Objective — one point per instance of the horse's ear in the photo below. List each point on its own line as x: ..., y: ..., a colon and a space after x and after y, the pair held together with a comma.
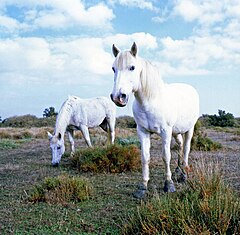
x: 49, y: 135
x: 115, y: 50
x: 134, y: 49
x: 59, y: 136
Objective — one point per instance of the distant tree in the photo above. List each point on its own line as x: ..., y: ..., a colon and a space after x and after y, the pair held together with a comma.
x: 223, y: 119
x: 0, y: 119
x: 49, y: 112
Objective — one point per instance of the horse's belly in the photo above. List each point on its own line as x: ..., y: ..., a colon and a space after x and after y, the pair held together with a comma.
x: 158, y: 120
x: 95, y: 118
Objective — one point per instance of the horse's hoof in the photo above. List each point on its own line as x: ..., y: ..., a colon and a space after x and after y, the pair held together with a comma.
x: 169, y: 187
x: 55, y: 164
x: 181, y: 176
x: 141, y: 192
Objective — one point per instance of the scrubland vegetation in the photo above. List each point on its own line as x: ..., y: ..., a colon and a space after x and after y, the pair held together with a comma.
x: 91, y: 193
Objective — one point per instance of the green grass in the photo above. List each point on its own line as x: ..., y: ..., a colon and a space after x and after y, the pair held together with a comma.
x: 130, y: 140
x: 10, y: 144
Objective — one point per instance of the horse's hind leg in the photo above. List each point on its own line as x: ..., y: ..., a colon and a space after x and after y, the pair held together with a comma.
x: 179, y: 141
x: 85, y: 132
x: 166, y: 141
x: 187, y: 147
x: 71, y: 140
x: 180, y: 174
x: 111, y: 130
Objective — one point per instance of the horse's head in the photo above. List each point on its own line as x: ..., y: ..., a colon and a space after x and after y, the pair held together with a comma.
x: 57, y: 147
x: 126, y: 74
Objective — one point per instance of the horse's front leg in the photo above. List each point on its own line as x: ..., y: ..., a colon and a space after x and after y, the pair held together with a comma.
x: 85, y: 132
x: 145, y: 159
x: 166, y: 142
x: 71, y: 140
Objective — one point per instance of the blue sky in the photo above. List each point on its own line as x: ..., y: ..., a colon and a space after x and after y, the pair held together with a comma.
x: 50, y: 49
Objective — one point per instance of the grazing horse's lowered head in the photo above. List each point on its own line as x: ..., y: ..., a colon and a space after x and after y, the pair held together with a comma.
x: 57, y: 147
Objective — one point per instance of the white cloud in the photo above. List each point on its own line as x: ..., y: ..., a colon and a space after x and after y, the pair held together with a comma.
x: 56, y: 14
x: 166, y: 69
x: 125, y: 41
x: 214, y: 43
x: 205, y: 12
x: 64, y: 59
x: 201, y: 53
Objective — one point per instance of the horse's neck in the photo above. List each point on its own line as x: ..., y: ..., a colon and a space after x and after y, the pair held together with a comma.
x: 63, y: 119
x: 151, y: 84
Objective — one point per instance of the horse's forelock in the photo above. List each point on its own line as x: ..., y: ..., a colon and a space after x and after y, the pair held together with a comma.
x: 54, y: 140
x: 123, y: 60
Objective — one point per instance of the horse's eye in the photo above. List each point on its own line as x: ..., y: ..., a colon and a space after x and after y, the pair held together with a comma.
x: 113, y: 69
x: 132, y: 68
x: 58, y: 147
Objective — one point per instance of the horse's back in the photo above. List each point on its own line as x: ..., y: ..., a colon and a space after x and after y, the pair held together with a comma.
x: 92, y: 112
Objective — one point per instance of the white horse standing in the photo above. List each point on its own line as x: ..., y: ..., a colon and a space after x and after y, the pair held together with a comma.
x: 165, y: 109
x: 82, y: 114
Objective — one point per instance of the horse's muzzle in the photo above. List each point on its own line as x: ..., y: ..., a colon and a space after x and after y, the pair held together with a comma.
x: 120, y: 100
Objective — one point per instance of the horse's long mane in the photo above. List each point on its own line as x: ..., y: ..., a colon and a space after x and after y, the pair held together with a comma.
x: 64, y: 115
x: 150, y: 79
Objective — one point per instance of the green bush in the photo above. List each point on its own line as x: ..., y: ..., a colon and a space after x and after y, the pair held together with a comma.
x: 28, y: 121
x: 206, y: 206
x: 61, y: 189
x: 223, y: 119
x: 110, y: 159
x: 201, y: 142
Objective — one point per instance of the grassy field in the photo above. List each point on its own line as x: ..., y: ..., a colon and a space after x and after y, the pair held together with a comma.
x: 25, y: 160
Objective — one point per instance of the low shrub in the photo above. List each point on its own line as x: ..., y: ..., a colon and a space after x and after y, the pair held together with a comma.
x: 110, y: 159
x: 201, y: 142
x: 61, y: 189
x: 206, y: 206
x: 28, y: 121
x: 125, y: 122
x: 223, y: 119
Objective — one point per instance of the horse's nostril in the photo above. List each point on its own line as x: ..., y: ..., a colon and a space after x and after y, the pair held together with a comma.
x: 122, y: 96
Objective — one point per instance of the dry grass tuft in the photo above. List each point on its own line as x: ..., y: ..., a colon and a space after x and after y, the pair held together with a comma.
x: 62, y: 189
x: 206, y: 206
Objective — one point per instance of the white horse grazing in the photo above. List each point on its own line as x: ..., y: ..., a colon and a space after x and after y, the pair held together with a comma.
x: 165, y: 109
x: 82, y: 114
